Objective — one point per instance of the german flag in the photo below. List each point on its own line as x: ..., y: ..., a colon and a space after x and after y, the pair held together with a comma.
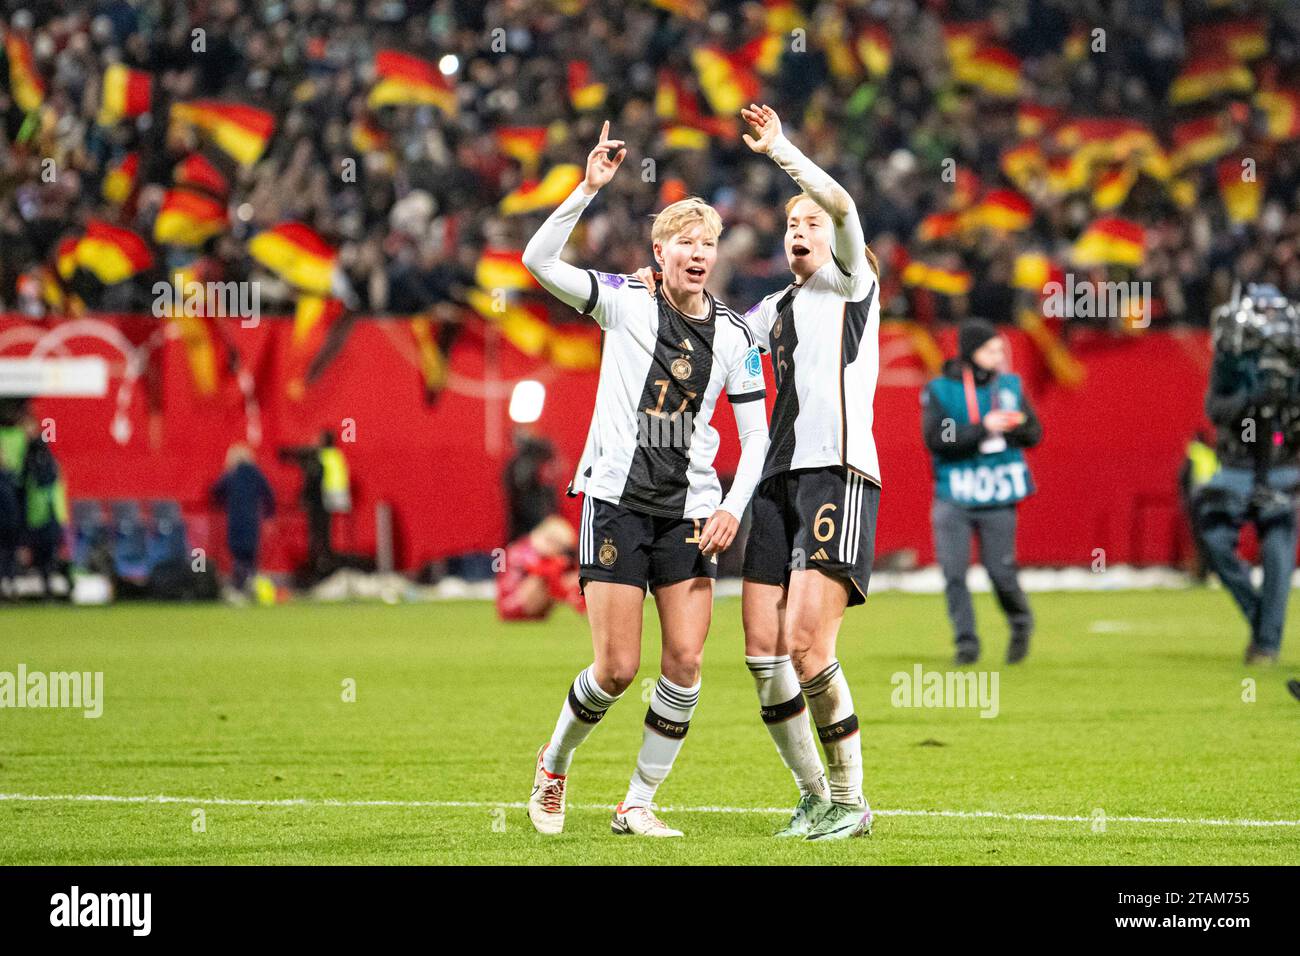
x: 1281, y: 110
x: 690, y: 9
x: 25, y: 82
x: 188, y: 218
x: 111, y: 254
x: 942, y: 281
x: 939, y: 226
x: 432, y: 363
x: 1245, y: 39
x: 1024, y: 163
x: 503, y: 269
x: 525, y: 326
x: 965, y: 188
x: 991, y: 69
x: 1242, y: 197
x: 585, y: 93
x: 119, y: 181
x: 1106, y: 140
x: 125, y: 94
x: 685, y: 122
x: 1004, y: 210
x: 1112, y: 187
x: 684, y: 136
x: 832, y: 32
x: 1202, y: 141
x: 198, y: 334
x: 1067, y: 174
x: 524, y: 143
x: 313, y: 318
x: 1035, y: 120
x: 404, y: 80
x: 875, y: 50
x: 1033, y: 270
x: 239, y: 131
x: 553, y: 189
x: 1110, y: 241
x: 730, y: 80
x: 1209, y: 76
x: 65, y: 257
x: 197, y: 172
x: 961, y: 40
x: 367, y: 136
x: 297, y: 254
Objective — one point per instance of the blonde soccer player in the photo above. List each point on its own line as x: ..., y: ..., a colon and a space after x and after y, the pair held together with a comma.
x: 653, y: 515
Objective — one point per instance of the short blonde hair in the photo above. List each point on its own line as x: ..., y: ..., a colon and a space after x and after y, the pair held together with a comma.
x: 871, y: 256
x: 677, y: 217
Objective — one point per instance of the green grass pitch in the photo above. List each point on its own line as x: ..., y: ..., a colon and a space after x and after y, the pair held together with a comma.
x: 1131, y: 706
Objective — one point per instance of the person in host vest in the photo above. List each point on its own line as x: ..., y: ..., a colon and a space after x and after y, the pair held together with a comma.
x: 976, y: 420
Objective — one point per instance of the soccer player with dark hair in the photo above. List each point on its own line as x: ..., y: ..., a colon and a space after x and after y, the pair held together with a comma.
x: 653, y: 516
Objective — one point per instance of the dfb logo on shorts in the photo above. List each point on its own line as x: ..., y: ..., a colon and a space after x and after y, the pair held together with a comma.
x: 608, y: 554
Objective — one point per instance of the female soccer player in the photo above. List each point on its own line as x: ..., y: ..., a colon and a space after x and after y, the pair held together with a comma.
x: 653, y: 516
x: 814, y: 513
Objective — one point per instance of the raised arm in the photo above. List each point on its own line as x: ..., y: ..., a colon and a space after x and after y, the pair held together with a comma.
x: 568, y: 283
x: 850, y: 241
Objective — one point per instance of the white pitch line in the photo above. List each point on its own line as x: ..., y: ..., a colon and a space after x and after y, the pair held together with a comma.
x: 517, y: 805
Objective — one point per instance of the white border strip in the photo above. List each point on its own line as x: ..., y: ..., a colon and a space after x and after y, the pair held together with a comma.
x: 487, y: 804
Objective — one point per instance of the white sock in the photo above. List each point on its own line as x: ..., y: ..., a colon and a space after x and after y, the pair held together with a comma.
x: 666, y: 723
x: 781, y: 705
x: 831, y: 705
x: 579, y: 716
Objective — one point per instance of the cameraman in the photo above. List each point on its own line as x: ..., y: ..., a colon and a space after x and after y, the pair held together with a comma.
x: 1254, y: 400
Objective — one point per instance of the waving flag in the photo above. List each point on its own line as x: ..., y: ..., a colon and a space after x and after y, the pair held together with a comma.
x: 1202, y: 141
x: 942, y: 281
x: 110, y: 253
x: 125, y: 94
x: 875, y: 50
x: 196, y: 171
x: 992, y: 69
x: 297, y: 254
x: 729, y: 80
x: 1035, y: 120
x: 1112, y: 188
x: 1242, y: 197
x: 1245, y: 39
x: 1208, y: 76
x: 24, y: 81
x: 525, y: 326
x: 939, y: 226
x: 368, y: 137
x: 188, y: 218
x: 585, y: 93
x: 315, y: 317
x: 1005, y: 210
x: 553, y: 189
x: 239, y: 131
x: 403, y: 80
x: 1110, y: 242
x: 524, y: 143
x: 119, y: 181
x: 1281, y: 114
x: 1024, y: 163
x: 503, y: 269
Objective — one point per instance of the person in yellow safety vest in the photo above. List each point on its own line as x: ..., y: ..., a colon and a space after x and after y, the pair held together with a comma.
x: 1199, y: 466
x: 336, y: 490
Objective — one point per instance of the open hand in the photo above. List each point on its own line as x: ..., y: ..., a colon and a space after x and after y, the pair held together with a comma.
x: 766, y: 125
x: 646, y: 275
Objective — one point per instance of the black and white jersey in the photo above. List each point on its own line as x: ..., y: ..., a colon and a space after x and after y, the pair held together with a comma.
x: 824, y: 339
x: 652, y: 443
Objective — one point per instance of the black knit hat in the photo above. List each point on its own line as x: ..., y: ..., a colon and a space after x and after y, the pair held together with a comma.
x: 973, y: 334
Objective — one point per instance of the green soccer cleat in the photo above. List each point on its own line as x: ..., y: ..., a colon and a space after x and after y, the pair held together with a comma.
x: 806, y: 814
x: 841, y: 822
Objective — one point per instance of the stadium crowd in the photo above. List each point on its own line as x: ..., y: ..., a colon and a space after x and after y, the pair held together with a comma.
x: 410, y: 194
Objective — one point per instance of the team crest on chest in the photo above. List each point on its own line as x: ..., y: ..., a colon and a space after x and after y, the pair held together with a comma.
x: 607, y: 554
x: 681, y: 368
x: 776, y: 329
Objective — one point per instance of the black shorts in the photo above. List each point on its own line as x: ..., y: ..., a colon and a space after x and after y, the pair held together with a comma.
x: 623, y: 546
x: 819, y: 518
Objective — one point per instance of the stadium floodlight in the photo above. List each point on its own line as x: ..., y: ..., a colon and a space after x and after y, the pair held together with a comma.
x: 526, y: 401
x: 449, y: 64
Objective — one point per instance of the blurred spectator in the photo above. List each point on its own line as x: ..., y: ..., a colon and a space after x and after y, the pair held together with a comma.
x: 246, y: 495
x: 540, y: 572
x: 45, y: 503
x: 529, y: 496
